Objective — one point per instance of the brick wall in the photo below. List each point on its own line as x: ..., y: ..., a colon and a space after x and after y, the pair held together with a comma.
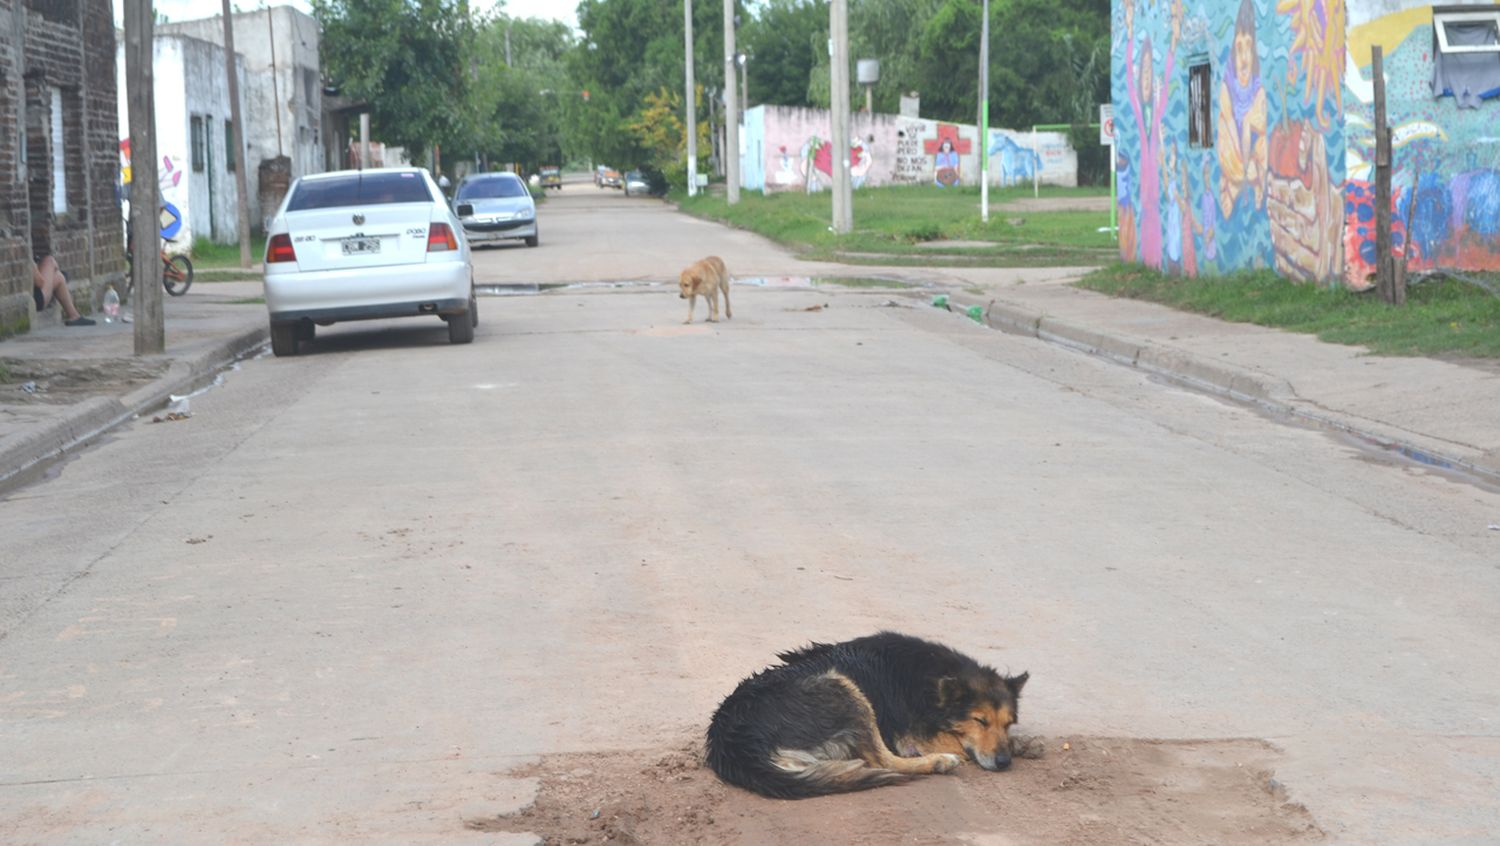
x: 67, y: 45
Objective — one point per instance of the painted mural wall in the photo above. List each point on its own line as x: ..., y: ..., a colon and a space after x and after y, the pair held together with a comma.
x: 1445, y: 158
x: 1262, y: 184
x: 788, y: 149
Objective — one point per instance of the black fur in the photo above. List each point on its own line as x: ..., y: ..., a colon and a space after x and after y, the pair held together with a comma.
x: 916, y: 688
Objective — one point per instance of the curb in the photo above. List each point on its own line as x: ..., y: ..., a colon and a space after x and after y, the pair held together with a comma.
x: 97, y: 415
x: 1269, y: 393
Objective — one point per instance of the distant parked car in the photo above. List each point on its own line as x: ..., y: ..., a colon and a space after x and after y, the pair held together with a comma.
x: 611, y: 179
x: 363, y: 245
x: 551, y: 177
x: 636, y: 184
x: 496, y: 207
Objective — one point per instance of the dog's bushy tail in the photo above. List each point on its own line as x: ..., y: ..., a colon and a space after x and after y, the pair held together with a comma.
x: 796, y: 774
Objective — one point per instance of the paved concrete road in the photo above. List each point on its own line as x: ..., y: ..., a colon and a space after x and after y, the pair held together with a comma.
x: 361, y: 586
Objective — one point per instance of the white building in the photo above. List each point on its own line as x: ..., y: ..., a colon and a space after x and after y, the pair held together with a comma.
x: 195, y: 143
x: 282, y: 91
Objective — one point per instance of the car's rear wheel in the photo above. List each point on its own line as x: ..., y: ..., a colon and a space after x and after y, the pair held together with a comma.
x: 473, y: 309
x: 306, y: 330
x: 283, y: 339
x: 461, y: 326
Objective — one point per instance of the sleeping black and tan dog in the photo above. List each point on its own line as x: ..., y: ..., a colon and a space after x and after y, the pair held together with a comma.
x: 839, y: 717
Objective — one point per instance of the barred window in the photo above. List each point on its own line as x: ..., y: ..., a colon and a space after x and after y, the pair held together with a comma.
x: 198, y: 142
x: 1200, y: 105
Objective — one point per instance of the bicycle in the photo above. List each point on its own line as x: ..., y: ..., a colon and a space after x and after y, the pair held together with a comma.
x: 176, y: 271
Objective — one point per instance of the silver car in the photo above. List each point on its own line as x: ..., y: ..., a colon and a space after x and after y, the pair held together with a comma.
x: 496, y: 207
x: 363, y: 245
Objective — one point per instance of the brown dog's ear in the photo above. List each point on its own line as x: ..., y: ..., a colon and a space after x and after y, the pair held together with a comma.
x: 949, y: 689
x: 1015, y: 683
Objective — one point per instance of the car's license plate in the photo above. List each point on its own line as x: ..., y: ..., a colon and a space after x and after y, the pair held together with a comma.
x: 361, y: 246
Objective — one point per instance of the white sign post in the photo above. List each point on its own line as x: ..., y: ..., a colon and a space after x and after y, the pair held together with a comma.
x: 1107, y: 138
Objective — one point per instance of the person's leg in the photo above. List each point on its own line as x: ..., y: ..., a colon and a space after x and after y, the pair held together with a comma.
x: 49, y: 278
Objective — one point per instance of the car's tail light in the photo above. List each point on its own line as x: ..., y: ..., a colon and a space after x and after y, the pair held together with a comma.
x: 279, y: 248
x: 440, y: 238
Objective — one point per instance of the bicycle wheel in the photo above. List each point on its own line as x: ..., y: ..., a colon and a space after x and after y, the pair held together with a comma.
x: 177, y: 275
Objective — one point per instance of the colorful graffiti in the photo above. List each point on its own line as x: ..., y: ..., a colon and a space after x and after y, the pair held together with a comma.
x: 945, y: 150
x: 1266, y: 188
x: 816, y: 171
x: 1445, y: 159
x: 1318, y: 28
x: 1017, y: 165
x: 792, y: 152
x: 168, y: 177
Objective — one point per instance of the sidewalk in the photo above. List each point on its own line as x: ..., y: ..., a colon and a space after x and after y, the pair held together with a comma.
x: 1437, y: 412
x: 61, y: 386
x: 87, y: 380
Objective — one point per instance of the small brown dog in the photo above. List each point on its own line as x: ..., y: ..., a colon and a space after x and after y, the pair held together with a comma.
x: 707, y: 277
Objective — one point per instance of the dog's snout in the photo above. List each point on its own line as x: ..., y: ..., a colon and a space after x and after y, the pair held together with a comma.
x: 682, y: 296
x: 997, y: 762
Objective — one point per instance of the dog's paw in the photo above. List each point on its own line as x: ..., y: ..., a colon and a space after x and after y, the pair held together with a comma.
x: 946, y: 762
x: 712, y: 320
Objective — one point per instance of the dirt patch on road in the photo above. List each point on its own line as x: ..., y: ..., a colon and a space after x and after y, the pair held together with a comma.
x: 1081, y: 791
x: 55, y: 381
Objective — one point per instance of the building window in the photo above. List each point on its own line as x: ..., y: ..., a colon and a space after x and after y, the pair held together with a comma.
x: 199, y: 143
x: 1200, y: 105
x: 59, y: 155
x: 231, y: 154
x: 1466, y: 53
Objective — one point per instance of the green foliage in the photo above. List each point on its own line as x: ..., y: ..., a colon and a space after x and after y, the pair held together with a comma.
x: 409, y: 60
x: 1445, y: 317
x: 787, y: 41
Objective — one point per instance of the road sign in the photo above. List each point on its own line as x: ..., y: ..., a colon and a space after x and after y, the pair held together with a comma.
x: 1107, y: 124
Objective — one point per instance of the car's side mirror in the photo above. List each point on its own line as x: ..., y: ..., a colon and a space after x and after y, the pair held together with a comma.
x: 465, y: 209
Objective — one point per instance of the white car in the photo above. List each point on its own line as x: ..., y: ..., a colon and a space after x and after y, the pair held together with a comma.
x: 496, y: 207
x: 364, y: 245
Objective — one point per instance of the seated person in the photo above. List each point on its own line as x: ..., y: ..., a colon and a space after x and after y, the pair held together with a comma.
x: 48, y: 283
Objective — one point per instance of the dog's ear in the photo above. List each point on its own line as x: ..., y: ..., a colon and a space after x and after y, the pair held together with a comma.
x: 949, y: 689
x: 1015, y: 683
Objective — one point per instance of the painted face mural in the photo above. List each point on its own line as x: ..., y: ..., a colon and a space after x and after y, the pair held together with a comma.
x: 1241, y: 136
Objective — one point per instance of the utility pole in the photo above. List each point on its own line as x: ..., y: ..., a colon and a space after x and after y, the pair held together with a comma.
x: 145, y: 204
x: 843, y: 194
x: 984, y: 114
x: 691, y: 100
x: 731, y: 109
x: 1391, y: 289
x: 239, y: 134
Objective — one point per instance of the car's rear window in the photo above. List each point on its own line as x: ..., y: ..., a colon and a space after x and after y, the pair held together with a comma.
x: 491, y: 188
x: 359, y: 189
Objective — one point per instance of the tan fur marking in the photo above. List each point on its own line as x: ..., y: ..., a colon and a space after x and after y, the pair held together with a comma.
x: 882, y: 756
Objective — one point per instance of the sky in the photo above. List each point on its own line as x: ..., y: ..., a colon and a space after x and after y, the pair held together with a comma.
x: 187, y: 10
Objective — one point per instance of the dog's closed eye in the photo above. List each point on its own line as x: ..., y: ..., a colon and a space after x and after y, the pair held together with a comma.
x: 981, y: 720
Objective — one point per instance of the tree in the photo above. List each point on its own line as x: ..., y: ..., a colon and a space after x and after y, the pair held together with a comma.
x: 788, y: 40
x: 408, y: 60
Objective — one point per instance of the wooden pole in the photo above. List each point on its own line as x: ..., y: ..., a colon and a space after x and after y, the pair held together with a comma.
x: 145, y: 200
x: 240, y: 164
x: 1385, y: 281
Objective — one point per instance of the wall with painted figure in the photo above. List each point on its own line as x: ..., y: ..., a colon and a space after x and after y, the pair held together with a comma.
x: 1445, y: 142
x: 789, y: 149
x: 1229, y: 132
x: 1019, y: 158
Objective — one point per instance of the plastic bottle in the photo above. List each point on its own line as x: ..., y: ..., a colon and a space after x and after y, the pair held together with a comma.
x: 111, y: 305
